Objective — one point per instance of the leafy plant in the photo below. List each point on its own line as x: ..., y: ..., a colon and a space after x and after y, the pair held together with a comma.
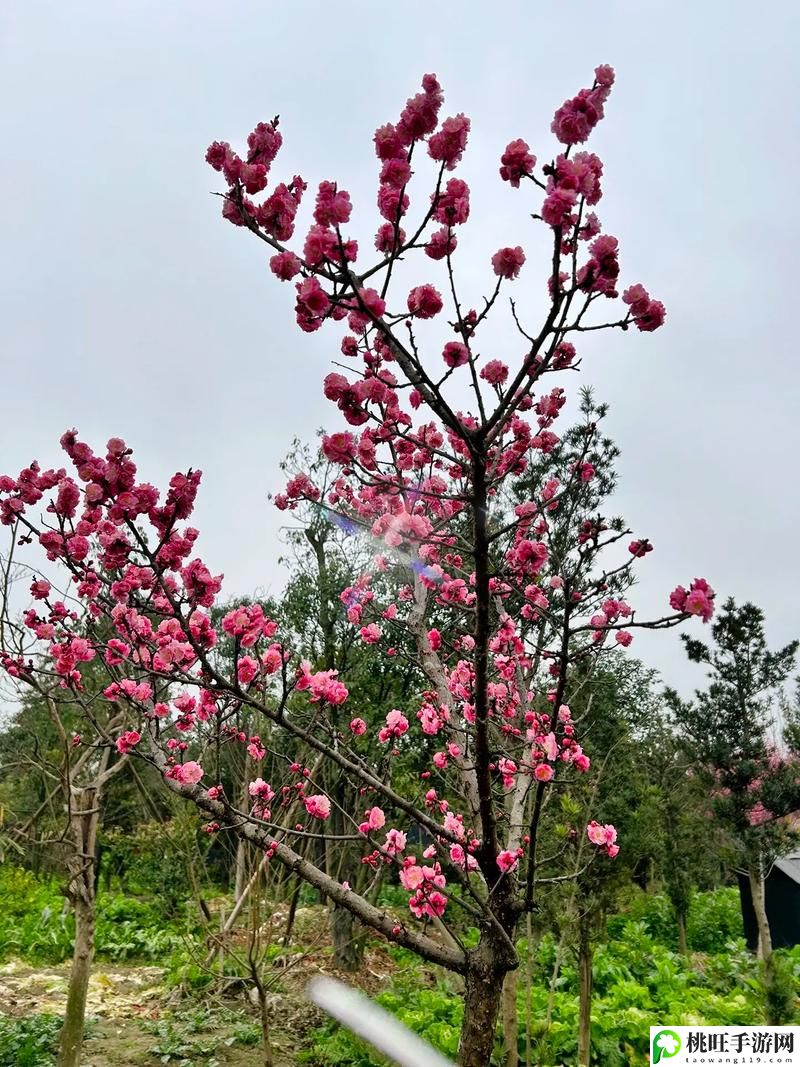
x: 639, y: 979
x: 35, y: 926
x: 29, y: 1042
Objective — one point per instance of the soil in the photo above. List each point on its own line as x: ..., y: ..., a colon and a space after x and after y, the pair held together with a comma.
x: 133, y: 1018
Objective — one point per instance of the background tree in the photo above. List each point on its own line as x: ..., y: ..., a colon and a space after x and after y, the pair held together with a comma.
x: 751, y: 776
x: 58, y: 757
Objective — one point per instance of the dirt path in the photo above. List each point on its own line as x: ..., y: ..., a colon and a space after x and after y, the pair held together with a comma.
x: 135, y: 1022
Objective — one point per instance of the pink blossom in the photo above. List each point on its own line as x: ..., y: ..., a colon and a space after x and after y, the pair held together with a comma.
x: 371, y: 634
x: 428, y: 902
x: 603, y: 836
x: 389, y: 237
x: 392, y: 202
x: 550, y: 745
x: 395, y: 841
x: 424, y: 302
x: 261, y: 789
x: 558, y: 205
x: 623, y: 637
x: 448, y: 144
x: 507, y: 262
x: 677, y: 598
x: 285, y: 265
x: 698, y: 601
x: 188, y: 773
x: 272, y: 659
x: 323, y: 685
x: 451, y: 207
x: 312, y: 303
x: 543, y: 772
x: 339, y: 447
x: 246, y: 670
x: 647, y: 314
x: 507, y: 860
x: 604, y: 75
x: 333, y: 205
x: 442, y: 243
x: 396, y: 726
x: 412, y: 877
x: 318, y: 806
x: 395, y: 172
x: 127, y: 742
x: 418, y: 118
x: 374, y: 819
x: 576, y: 118
x: 389, y: 143
x: 652, y: 318
x: 516, y: 162
x: 455, y: 354
x: 495, y: 372
x: 758, y: 814
x: 358, y: 727
x: 256, y: 749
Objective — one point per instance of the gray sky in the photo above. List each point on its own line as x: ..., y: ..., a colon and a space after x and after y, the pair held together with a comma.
x: 130, y: 308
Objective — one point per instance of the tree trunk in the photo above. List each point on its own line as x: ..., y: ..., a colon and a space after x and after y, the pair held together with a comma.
x: 772, y: 995
x: 240, y: 878
x: 340, y: 863
x: 346, y: 950
x: 484, y: 986
x: 585, y: 954
x: 510, y: 1025
x: 287, y: 933
x: 683, y: 944
x: 265, y: 1028
x: 756, y: 878
x: 81, y: 891
x: 69, y: 1052
x: 487, y: 967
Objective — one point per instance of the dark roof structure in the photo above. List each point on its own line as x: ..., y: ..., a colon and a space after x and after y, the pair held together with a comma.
x: 790, y: 865
x: 782, y: 901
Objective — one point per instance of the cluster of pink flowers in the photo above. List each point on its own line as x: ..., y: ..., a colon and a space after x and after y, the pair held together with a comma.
x: 374, y: 819
x: 647, y: 314
x: 425, y: 883
x: 508, y: 860
x: 188, y: 773
x: 318, y: 806
x: 699, y: 600
x: 322, y: 685
x: 248, y: 623
x: 396, y: 726
x: 127, y: 741
x: 576, y: 118
x: 604, y: 837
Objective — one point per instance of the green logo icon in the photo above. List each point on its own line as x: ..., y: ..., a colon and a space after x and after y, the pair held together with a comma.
x: 666, y: 1044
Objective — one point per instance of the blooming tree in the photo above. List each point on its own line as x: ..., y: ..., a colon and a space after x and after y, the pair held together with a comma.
x: 501, y: 575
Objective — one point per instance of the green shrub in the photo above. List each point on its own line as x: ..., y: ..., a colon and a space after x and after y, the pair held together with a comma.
x: 35, y: 926
x: 715, y: 920
x: 639, y: 980
x: 29, y: 1042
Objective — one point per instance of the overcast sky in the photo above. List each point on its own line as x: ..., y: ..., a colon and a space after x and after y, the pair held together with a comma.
x: 128, y: 307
